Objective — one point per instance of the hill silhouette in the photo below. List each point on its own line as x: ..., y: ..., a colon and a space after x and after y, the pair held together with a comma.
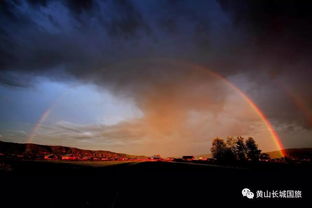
x: 10, y: 148
x: 294, y: 153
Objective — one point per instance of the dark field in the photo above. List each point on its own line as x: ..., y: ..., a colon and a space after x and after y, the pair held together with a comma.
x: 145, y: 184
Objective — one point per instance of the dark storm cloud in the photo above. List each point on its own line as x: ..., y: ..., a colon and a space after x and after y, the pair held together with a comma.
x: 279, y: 33
x: 281, y: 29
x: 12, y: 80
x: 102, y: 41
x: 75, y: 33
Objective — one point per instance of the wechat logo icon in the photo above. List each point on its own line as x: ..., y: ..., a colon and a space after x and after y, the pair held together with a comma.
x: 247, y: 193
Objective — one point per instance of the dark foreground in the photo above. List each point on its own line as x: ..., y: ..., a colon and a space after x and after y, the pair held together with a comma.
x: 146, y: 184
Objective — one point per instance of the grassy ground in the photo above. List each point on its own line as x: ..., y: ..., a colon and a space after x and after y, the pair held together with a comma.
x: 145, y: 184
x: 86, y: 163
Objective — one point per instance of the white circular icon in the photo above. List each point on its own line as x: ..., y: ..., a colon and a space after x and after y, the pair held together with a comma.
x: 246, y: 192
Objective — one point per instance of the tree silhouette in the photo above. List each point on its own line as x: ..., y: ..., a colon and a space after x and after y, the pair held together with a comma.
x: 224, y: 151
x: 235, y: 149
x: 240, y: 149
x: 253, y: 152
x: 218, y: 149
x: 230, y: 143
x: 230, y: 151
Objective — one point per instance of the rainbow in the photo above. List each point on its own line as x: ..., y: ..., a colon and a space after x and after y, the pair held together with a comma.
x: 43, y: 117
x: 37, y: 125
x: 274, y: 135
x: 262, y: 116
x: 267, y: 123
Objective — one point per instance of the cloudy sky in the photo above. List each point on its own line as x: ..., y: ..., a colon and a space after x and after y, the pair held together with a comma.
x: 148, y: 77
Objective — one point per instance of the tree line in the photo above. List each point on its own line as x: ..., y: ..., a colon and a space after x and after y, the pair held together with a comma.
x: 236, y: 149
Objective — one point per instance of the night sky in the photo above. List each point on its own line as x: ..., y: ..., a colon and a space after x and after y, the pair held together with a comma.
x: 149, y: 77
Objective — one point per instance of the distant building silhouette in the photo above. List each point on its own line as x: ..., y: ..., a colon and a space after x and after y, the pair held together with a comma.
x: 188, y: 158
